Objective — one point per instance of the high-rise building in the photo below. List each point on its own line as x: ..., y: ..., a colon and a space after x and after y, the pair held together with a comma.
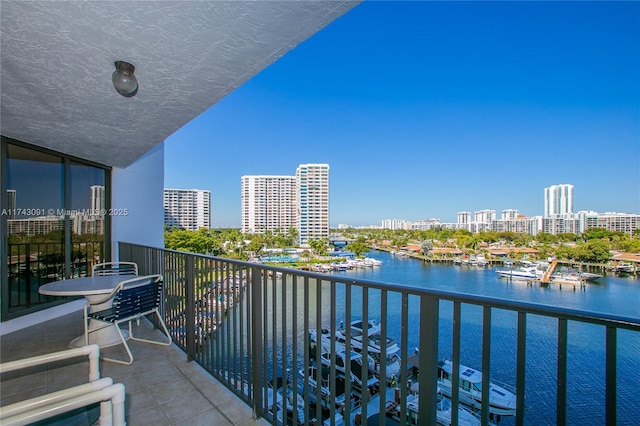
x: 268, y: 204
x: 558, y: 200
x: 313, y: 202
x: 278, y: 203
x: 11, y: 197
x: 96, y: 200
x: 187, y: 208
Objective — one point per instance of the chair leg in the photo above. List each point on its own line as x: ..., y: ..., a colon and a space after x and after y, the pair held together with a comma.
x: 164, y: 328
x: 126, y: 347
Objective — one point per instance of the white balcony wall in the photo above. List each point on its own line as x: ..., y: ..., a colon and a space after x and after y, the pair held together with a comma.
x: 138, y: 190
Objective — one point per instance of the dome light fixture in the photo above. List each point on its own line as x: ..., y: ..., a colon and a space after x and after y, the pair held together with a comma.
x: 123, y: 79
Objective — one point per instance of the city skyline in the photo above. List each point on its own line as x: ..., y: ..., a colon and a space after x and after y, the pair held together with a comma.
x: 455, y: 106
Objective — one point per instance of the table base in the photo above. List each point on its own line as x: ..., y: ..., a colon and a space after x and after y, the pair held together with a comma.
x: 104, y: 337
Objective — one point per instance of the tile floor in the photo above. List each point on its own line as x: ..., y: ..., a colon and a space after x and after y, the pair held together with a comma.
x: 162, y: 388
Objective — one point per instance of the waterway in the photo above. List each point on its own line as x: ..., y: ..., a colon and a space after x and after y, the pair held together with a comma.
x: 619, y: 295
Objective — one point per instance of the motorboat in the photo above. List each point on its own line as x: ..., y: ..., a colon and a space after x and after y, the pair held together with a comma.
x: 375, y: 346
x: 521, y: 273
x: 354, y: 359
x: 443, y: 409
x: 502, y: 398
x: 319, y: 377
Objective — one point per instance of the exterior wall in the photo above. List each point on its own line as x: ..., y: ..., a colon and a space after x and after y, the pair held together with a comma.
x: 137, y: 193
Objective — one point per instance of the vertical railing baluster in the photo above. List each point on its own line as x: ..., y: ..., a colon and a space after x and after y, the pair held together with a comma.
x: 403, y: 379
x: 521, y: 365
x: 365, y: 345
x: 428, y: 363
x: 189, y: 290
x: 256, y: 340
x: 561, y: 384
x: 383, y: 354
x: 611, y: 375
x: 294, y: 349
x: 455, y: 371
x: 307, y: 358
x: 486, y: 363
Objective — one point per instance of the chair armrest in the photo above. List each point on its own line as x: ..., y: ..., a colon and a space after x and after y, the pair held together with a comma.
x: 38, y: 402
x: 92, y: 351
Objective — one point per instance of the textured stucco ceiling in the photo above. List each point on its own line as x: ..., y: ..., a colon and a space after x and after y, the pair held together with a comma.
x: 57, y: 58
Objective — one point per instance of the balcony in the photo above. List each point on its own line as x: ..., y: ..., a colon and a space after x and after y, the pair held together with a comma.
x: 239, y: 327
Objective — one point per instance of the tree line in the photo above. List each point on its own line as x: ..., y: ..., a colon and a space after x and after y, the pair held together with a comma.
x: 593, y: 245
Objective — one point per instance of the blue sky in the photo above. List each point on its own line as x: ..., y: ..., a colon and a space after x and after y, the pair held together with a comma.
x: 425, y: 109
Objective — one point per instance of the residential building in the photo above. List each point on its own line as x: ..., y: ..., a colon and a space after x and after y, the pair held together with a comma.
x: 187, y: 208
x: 312, y: 202
x: 278, y: 203
x: 558, y: 200
x: 268, y: 204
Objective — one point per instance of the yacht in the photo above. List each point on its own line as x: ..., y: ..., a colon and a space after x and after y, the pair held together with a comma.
x: 502, y: 398
x: 375, y: 346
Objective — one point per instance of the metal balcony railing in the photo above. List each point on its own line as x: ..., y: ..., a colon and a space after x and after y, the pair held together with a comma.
x: 260, y: 330
x: 31, y: 265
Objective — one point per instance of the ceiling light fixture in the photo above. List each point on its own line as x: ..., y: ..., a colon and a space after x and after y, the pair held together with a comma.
x: 123, y: 79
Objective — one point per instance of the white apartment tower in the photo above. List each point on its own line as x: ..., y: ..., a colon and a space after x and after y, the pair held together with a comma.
x: 313, y: 202
x: 96, y: 200
x: 268, y: 204
x: 187, y: 208
x: 558, y: 200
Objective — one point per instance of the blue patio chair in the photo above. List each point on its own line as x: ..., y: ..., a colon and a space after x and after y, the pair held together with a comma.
x: 115, y: 268
x: 132, y: 299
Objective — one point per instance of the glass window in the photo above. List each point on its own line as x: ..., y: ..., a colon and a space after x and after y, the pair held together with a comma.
x: 55, y: 223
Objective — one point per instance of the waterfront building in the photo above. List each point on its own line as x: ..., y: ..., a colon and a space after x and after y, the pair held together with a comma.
x: 187, y: 208
x: 464, y: 217
x: 278, y: 203
x: 509, y: 214
x: 395, y: 224
x: 268, y: 203
x: 558, y: 200
x: 611, y: 221
x: 520, y: 224
x: 313, y: 202
x: 96, y: 200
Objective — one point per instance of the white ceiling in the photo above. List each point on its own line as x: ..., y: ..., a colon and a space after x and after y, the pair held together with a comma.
x: 57, y: 58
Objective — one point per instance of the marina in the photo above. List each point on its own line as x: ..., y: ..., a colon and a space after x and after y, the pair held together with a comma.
x: 611, y: 293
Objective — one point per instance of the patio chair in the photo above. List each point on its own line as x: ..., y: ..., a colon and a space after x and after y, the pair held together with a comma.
x: 64, y: 402
x: 115, y: 268
x: 132, y: 299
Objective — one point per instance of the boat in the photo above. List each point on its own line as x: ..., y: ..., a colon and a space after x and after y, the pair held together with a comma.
x: 521, y: 273
x: 443, y: 409
x: 328, y: 396
x: 623, y: 268
x: 502, y: 398
x: 373, y: 354
x: 355, y: 368
x: 375, y: 346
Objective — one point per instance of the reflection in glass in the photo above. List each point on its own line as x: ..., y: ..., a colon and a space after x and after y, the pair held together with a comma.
x: 37, y: 209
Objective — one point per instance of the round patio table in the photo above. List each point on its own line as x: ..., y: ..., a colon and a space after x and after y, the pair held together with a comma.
x: 93, y: 289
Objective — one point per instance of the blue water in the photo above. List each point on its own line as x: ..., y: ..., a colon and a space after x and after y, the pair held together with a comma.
x: 586, y: 375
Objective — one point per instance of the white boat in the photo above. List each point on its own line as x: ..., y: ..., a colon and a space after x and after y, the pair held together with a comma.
x: 521, y: 273
x: 443, y: 408
x: 502, y: 398
x: 328, y: 396
x: 373, y: 354
x: 355, y: 368
x: 374, y: 346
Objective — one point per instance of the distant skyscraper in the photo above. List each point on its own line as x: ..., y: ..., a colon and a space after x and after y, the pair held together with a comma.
x: 313, y: 202
x: 558, y: 200
x: 11, y: 206
x: 271, y: 203
x: 268, y: 204
x: 187, y: 208
x: 96, y: 199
